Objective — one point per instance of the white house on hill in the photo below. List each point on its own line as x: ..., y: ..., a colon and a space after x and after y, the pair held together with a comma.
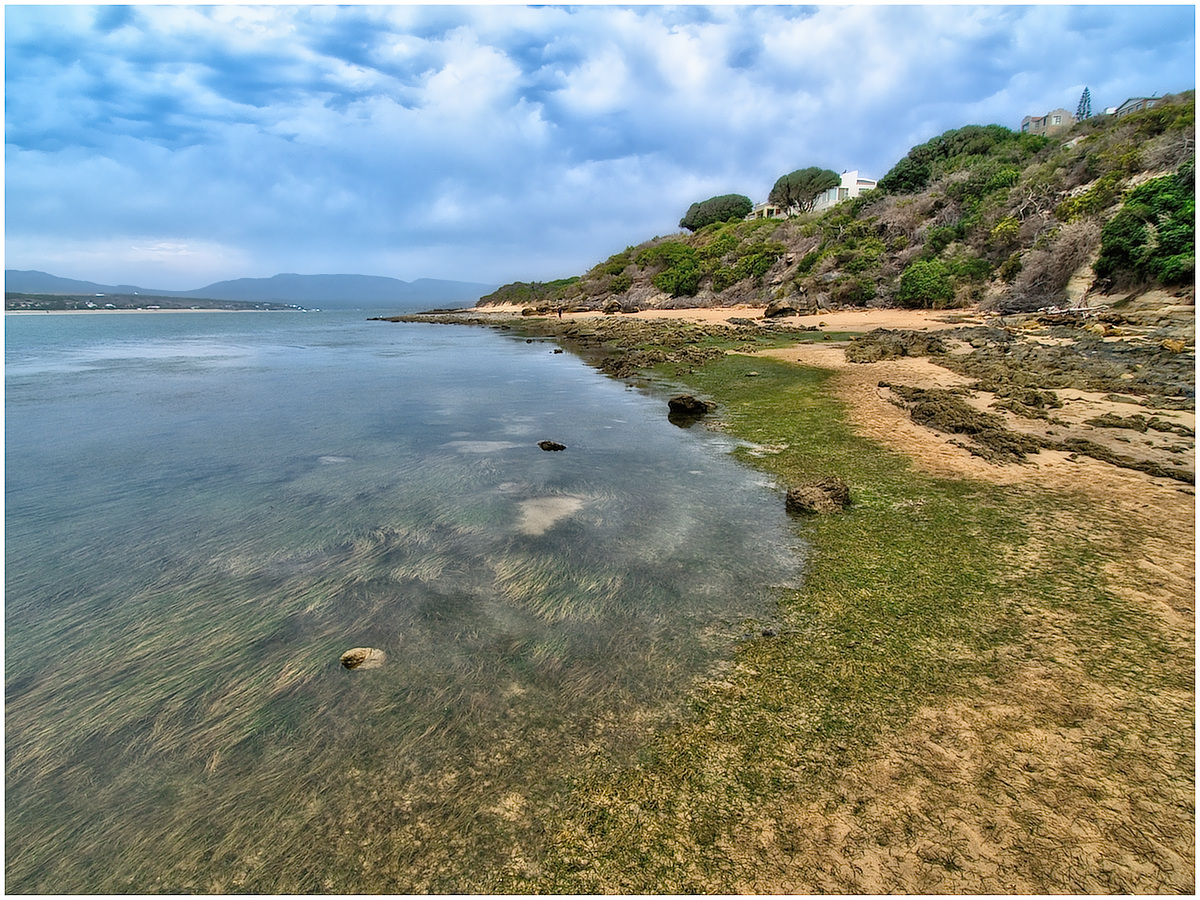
x: 852, y: 185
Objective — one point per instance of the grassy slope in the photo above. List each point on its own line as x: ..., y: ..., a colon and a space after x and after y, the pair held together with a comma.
x: 998, y: 215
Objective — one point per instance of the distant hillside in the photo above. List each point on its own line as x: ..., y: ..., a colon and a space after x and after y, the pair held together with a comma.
x: 979, y: 214
x: 347, y: 291
x: 34, y: 282
x: 327, y: 291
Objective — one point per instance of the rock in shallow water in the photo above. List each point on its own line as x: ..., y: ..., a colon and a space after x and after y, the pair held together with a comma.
x: 363, y: 658
x: 551, y: 445
x: 687, y: 405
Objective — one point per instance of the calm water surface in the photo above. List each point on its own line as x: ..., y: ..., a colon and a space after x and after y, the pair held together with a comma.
x: 204, y: 511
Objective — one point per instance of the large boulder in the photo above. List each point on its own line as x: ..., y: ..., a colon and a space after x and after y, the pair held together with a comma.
x: 825, y: 496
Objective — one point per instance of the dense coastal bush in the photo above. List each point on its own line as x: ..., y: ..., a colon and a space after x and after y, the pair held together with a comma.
x: 1154, y: 234
x: 678, y: 268
x: 925, y: 284
x: 958, y: 149
x: 725, y: 208
x: 521, y: 293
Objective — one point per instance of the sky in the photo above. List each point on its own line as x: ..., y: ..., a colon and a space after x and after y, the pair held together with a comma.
x: 175, y: 146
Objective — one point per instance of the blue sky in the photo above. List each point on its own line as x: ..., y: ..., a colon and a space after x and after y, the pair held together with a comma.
x: 172, y: 147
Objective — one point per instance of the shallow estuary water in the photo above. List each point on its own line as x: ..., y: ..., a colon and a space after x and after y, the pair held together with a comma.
x: 203, y: 512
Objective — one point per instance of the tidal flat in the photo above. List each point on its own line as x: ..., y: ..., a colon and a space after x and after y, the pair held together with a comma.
x: 985, y: 683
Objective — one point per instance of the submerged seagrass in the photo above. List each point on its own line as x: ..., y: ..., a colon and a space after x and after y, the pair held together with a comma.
x: 205, y: 513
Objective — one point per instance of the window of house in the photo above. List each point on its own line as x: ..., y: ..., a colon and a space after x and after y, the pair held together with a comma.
x: 1058, y: 120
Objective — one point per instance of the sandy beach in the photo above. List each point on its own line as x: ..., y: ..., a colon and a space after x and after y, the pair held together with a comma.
x: 838, y: 320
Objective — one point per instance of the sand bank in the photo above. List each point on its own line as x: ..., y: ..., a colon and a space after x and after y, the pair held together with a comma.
x: 838, y: 320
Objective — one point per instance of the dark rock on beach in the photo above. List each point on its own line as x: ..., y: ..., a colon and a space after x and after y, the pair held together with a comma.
x: 687, y: 405
x: 686, y: 410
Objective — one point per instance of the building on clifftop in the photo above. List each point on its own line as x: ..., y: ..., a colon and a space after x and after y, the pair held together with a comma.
x: 852, y: 186
x: 1133, y: 104
x: 1055, y: 120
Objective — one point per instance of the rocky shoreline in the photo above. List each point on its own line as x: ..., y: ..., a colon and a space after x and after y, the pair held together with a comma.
x: 1114, y: 385
x: 987, y: 679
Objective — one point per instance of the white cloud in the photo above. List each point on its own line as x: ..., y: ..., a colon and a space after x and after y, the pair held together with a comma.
x: 469, y: 142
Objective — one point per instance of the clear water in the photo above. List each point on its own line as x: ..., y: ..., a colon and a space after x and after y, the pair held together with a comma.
x: 203, y: 512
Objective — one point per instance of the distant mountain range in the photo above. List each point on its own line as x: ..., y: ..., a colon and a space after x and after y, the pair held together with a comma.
x: 326, y: 291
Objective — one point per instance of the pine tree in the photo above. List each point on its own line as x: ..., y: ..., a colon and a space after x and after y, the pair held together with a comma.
x: 1084, y: 110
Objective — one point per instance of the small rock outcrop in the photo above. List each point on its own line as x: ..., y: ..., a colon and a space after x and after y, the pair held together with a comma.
x: 363, y: 658
x: 686, y: 410
x: 779, y: 308
x: 687, y: 405
x: 825, y: 496
x: 551, y: 445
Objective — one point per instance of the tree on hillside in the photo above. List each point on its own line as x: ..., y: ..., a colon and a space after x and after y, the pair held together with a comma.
x: 800, y: 189
x: 1084, y: 109
x: 716, y: 209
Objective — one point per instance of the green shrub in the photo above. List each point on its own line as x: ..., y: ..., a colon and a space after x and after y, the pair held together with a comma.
x: 1091, y: 202
x: 724, y: 208
x: 679, y: 273
x: 939, y: 238
x: 724, y: 277
x: 1011, y: 267
x: 617, y: 263
x: 682, y: 281
x: 906, y: 177
x: 925, y: 284
x: 969, y: 268
x: 1005, y: 233
x: 753, y: 262
x: 866, y: 255
x: 986, y: 176
x: 807, y: 262
x: 958, y: 149
x: 1003, y: 178
x: 522, y: 293
x: 1164, y: 117
x: 1154, y: 234
x: 758, y: 258
x: 620, y: 284
x: 723, y: 242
